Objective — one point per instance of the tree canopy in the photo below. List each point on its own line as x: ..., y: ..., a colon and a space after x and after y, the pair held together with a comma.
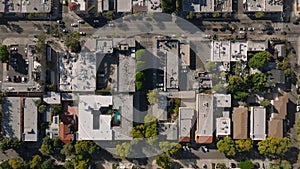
x: 274, y: 146
x: 3, y: 53
x: 246, y: 164
x: 244, y: 145
x: 257, y: 82
x: 36, y: 161
x: 16, y: 163
x: 72, y: 42
x: 84, y: 147
x: 123, y: 150
x: 259, y: 59
x: 153, y: 96
x: 169, y: 148
x: 67, y: 150
x: 210, y: 66
x: 163, y: 161
x: 47, y: 164
x: 259, y: 14
x: 227, y: 146
x: 8, y: 143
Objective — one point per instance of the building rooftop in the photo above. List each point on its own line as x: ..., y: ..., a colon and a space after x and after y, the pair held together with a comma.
x: 159, y: 110
x: 81, y: 4
x: 278, y: 115
x: 207, y: 5
x: 124, y: 5
x: 170, y: 130
x: 223, y: 127
x: 220, y: 51
x: 53, y: 129
x: 222, y: 100
x: 238, y: 51
x: 277, y: 76
x: 185, y: 54
x: 30, y: 120
x: 240, y: 123
x: 52, y: 98
x: 11, y: 120
x: 67, y: 127
x: 204, y: 108
x: 126, y: 73
x: 263, y: 5
x: 258, y: 123
x: 170, y: 50
x: 28, y: 6
x: 257, y: 45
x: 280, y: 49
x: 9, y: 154
x: 187, y: 120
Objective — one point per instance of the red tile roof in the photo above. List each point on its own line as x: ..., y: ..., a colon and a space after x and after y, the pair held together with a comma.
x: 204, y: 139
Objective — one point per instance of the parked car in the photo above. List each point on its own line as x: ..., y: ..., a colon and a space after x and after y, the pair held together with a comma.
x: 81, y: 21
x: 204, y: 149
x: 82, y: 33
x: 74, y: 25
x: 65, y: 31
x: 251, y: 29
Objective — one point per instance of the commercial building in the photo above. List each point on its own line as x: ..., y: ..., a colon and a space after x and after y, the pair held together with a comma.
x: 228, y: 51
x: 207, y: 6
x: 30, y: 120
x: 263, y: 5
x: 26, y: 6
x: 187, y: 119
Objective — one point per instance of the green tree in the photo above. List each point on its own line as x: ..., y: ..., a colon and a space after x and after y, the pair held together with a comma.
x: 109, y: 15
x: 72, y: 42
x: 42, y: 108
x: 5, y: 165
x: 244, y: 145
x: 259, y: 14
x: 35, y: 162
x: 216, y: 15
x: 140, y: 65
x: 140, y: 55
x: 150, y: 124
x: 221, y: 166
x: 246, y: 164
x: 265, y: 103
x: 47, y: 164
x: 219, y: 88
x: 67, y: 150
x: 285, y: 66
x: 68, y: 165
x: 227, y: 146
x: 240, y: 95
x: 235, y: 84
x: 8, y: 143
x: 16, y: 163
x: 123, y: 150
x: 46, y: 149
x: 138, y: 131
x: 168, y: 6
x: 190, y: 15
x: 163, y: 161
x: 57, y: 143
x: 31, y: 15
x: 83, y: 164
x: 259, y: 59
x: 257, y: 81
x: 153, y: 96
x: 139, y: 85
x: 169, y: 148
x: 56, y: 109
x: 211, y: 66
x: 274, y: 146
x: 85, y: 147
x: 3, y: 53
x: 140, y: 76
x: 284, y: 164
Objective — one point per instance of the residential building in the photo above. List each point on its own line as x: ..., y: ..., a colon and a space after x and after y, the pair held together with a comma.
x: 52, y: 98
x: 30, y: 132
x: 258, y: 123
x: 263, y: 5
x: 186, y: 122
x: 280, y: 50
x: 168, y: 130
x: 240, y: 123
x: 222, y: 100
x: 139, y: 5
x: 205, y: 124
x: 81, y: 5
x: 277, y: 76
x: 257, y: 46
x: 9, y: 154
x: 207, y: 6
x: 278, y: 115
x: 53, y: 129
x: 68, y: 125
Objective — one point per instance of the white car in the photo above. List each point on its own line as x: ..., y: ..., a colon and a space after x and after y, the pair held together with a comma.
x: 204, y: 149
x: 251, y: 29
x: 82, y: 33
x: 81, y: 21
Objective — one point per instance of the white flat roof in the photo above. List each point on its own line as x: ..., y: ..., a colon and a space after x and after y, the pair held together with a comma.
x: 222, y: 100
x: 204, y: 106
x: 92, y: 125
x: 11, y: 119
x: 258, y: 123
x: 186, y: 121
x: 52, y: 98
x: 124, y: 5
x: 30, y: 120
x: 223, y: 126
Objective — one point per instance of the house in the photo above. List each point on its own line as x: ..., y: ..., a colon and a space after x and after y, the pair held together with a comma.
x: 222, y: 100
x: 240, y: 123
x: 207, y: 6
x: 280, y: 51
x: 186, y: 122
x: 30, y: 132
x: 68, y: 125
x: 53, y: 129
x: 205, y: 124
x: 9, y: 154
x: 258, y: 123
x: 278, y: 115
x: 263, y: 5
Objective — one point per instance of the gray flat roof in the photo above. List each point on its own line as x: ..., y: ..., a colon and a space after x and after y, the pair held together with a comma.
x: 29, y: 6
x: 11, y: 117
x: 30, y: 120
x: 186, y: 121
x: 222, y: 100
x: 258, y: 123
x: 126, y: 73
x: 124, y: 5
x: 124, y: 104
x: 207, y: 5
x: 204, y: 106
x: 170, y: 130
x: 264, y: 5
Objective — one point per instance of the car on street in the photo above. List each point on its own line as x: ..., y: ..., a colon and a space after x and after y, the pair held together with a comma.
x: 159, y: 84
x: 251, y: 29
x: 74, y: 25
x: 65, y: 31
x: 59, y: 21
x: 82, y: 33
x: 111, y: 24
x: 81, y: 21
x: 204, y: 149
x: 296, y: 23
